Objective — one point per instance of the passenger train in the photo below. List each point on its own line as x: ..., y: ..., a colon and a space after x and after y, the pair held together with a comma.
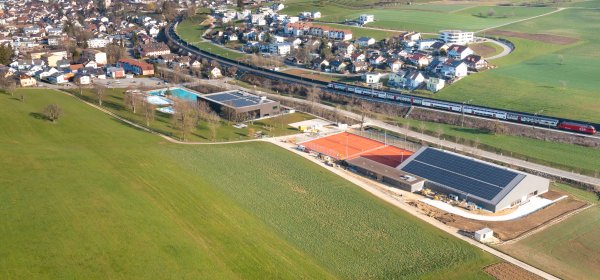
x: 467, y: 109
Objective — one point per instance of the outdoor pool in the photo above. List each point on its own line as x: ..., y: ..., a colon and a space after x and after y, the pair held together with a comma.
x: 180, y: 93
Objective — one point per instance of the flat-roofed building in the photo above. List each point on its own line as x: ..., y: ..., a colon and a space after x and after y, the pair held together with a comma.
x: 235, y: 103
x: 456, y: 37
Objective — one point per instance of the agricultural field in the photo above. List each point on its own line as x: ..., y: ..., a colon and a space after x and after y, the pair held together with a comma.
x: 276, y: 126
x: 569, y: 249
x: 423, y: 18
x: 108, y: 201
x: 558, y: 78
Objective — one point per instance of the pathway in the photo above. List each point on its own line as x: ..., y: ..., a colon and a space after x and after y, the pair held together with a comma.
x: 521, y: 20
x: 506, y: 50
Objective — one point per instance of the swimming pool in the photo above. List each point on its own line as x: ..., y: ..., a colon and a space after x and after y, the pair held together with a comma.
x: 180, y: 93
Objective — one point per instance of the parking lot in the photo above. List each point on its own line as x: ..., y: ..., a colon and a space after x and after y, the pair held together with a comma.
x: 132, y: 82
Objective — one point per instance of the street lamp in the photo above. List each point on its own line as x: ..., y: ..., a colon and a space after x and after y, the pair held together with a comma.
x: 462, y: 110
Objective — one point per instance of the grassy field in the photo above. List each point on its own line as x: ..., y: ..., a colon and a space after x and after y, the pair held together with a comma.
x: 358, y: 32
x: 89, y: 197
x: 276, y: 126
x: 532, y: 78
x: 191, y: 30
x: 570, y: 249
x: 564, y: 156
x: 423, y: 18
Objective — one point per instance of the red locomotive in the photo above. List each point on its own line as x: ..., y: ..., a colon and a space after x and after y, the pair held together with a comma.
x: 576, y: 127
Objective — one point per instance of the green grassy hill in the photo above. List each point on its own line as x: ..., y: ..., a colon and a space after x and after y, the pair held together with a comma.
x: 89, y: 197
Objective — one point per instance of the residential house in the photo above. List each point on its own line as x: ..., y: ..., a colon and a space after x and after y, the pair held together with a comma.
x: 95, y: 55
x: 281, y: 49
x: 57, y: 78
x: 365, y: 18
x: 372, y: 78
x: 435, y: 84
x: 365, y: 41
x: 82, y: 79
x: 115, y: 72
x: 453, y: 68
x: 215, y: 73
x: 338, y: 66
x: 360, y: 66
x: 27, y: 81
x: 459, y: 52
x: 475, y: 62
x: 320, y: 63
x: 395, y: 65
x: 153, y: 49
x: 136, y: 67
x: 418, y: 59
x: 96, y: 43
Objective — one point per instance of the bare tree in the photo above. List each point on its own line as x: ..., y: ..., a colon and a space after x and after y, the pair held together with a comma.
x: 439, y: 131
x: 79, y: 86
x: 185, y: 117
x: 312, y: 95
x: 561, y: 59
x: 52, y: 112
x: 406, y: 126
x: 149, y: 111
x: 365, y: 109
x: 213, y: 122
x: 9, y: 85
x: 100, y: 92
x: 422, y: 128
x: 132, y: 99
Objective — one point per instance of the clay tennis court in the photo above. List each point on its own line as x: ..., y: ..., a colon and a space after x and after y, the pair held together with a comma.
x: 346, y: 145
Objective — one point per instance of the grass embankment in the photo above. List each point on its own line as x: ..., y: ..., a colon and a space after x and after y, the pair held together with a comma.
x: 276, y: 126
x: 569, y: 249
x: 89, y: 197
x: 563, y: 156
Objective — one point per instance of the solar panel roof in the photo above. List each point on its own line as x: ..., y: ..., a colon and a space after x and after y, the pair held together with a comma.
x: 235, y: 99
x: 462, y: 174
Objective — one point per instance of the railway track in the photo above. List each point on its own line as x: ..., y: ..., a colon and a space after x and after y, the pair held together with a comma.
x: 279, y: 76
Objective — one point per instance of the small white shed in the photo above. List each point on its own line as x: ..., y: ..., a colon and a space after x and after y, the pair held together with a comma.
x: 484, y: 234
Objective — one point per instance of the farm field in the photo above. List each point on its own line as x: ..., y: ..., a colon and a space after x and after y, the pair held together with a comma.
x: 569, y: 249
x: 422, y: 18
x: 276, y: 126
x: 557, y: 78
x: 564, y: 156
x: 108, y: 201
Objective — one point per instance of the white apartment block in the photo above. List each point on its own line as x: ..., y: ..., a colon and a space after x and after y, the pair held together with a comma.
x: 456, y: 37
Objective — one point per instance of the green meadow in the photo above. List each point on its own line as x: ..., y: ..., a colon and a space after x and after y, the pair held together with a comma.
x: 90, y: 197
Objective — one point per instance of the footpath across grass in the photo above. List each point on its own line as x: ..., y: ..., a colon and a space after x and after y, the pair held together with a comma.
x: 89, y: 197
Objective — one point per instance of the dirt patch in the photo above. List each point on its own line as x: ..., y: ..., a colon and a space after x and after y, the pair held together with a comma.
x: 483, y: 49
x: 508, y: 230
x: 508, y: 271
x: 307, y: 74
x: 546, y: 38
x: 552, y: 195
